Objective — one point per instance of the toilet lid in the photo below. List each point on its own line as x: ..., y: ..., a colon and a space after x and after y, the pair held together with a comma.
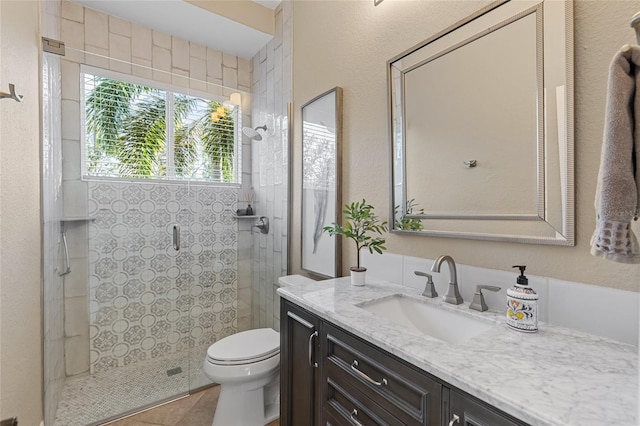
x: 246, y: 346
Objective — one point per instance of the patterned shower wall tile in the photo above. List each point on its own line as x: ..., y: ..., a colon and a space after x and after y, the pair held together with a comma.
x: 134, y: 218
x: 133, y: 311
x: 160, y: 218
x: 161, y: 194
x: 146, y: 299
x: 132, y: 194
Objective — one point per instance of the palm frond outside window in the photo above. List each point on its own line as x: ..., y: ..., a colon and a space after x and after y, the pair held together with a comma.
x: 137, y: 131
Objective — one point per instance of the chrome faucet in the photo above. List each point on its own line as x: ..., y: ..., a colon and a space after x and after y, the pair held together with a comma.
x: 453, y: 295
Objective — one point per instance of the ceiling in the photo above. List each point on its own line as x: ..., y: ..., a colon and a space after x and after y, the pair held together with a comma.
x: 190, y: 22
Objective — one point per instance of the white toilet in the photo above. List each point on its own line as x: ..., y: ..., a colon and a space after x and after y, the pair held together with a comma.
x: 247, y: 367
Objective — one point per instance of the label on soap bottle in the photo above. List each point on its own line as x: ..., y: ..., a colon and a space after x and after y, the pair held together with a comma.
x: 522, y: 309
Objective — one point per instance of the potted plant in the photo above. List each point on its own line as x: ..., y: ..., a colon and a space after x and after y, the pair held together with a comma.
x: 360, y: 224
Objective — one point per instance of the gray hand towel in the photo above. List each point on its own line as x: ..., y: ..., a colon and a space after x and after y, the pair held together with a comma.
x: 618, y: 188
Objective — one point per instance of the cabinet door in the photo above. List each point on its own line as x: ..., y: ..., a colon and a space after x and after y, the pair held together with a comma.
x: 299, y: 370
x: 466, y: 411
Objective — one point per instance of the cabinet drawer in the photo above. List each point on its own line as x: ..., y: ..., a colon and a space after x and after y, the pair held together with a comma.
x: 473, y: 412
x: 403, y: 391
x: 352, y: 408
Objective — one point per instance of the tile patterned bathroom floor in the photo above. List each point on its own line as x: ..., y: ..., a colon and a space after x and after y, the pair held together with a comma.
x: 194, y: 410
x: 90, y: 399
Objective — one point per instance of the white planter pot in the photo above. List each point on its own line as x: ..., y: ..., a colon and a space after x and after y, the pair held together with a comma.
x: 358, y: 276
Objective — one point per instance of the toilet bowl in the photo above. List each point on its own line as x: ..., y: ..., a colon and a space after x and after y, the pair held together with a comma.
x: 247, y: 367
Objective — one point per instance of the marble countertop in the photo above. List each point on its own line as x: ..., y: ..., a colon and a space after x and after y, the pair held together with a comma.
x: 555, y: 377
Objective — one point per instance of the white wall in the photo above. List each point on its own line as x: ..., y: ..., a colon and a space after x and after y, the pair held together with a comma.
x: 347, y: 44
x: 20, y: 228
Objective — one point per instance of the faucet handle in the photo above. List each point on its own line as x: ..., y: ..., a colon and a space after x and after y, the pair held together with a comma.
x: 429, y: 289
x: 478, y: 303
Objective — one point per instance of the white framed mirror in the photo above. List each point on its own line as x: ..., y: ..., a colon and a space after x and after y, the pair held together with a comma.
x: 481, y: 127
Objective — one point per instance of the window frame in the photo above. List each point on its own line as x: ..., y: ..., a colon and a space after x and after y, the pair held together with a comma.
x: 169, y: 141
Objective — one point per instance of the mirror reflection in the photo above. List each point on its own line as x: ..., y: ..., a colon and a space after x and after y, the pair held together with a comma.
x: 480, y: 129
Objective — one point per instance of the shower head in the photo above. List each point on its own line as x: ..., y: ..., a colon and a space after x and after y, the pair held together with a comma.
x: 253, y: 133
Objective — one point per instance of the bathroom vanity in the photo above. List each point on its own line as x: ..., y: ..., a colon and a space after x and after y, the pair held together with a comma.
x: 347, y: 358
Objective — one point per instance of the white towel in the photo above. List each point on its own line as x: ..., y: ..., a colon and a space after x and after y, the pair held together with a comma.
x: 618, y: 188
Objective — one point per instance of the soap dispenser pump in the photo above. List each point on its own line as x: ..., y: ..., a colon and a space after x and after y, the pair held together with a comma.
x: 522, y: 305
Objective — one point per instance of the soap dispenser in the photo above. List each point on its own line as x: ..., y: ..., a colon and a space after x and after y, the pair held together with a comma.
x: 522, y: 305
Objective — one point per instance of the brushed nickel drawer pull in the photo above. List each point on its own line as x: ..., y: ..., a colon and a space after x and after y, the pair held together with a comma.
x: 454, y: 419
x: 355, y: 421
x: 311, y: 363
x: 354, y: 366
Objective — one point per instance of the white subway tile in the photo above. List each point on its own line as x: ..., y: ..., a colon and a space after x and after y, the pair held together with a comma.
x: 229, y: 78
x: 214, y: 64
x: 76, y: 283
x: 70, y: 73
x: 76, y: 355
x: 120, y: 51
x: 198, y: 70
x: 96, y: 26
x: 180, y: 78
x: 180, y: 53
x: 119, y: 26
x: 76, y: 316
x: 142, y: 68
x: 161, y: 59
x: 72, y: 33
x: 77, y: 239
x: 70, y: 120
x: 72, y: 11
x: 71, y: 160
x: 97, y: 57
x: 230, y: 61
x: 198, y: 51
x: 161, y: 39
x: 141, y: 42
x: 75, y: 198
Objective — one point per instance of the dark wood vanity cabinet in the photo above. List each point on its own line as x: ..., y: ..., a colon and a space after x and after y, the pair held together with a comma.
x: 331, y: 377
x: 300, y: 403
x: 471, y: 412
x: 363, y: 384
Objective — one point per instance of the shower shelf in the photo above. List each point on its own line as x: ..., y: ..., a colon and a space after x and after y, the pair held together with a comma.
x: 63, y: 233
x: 77, y: 219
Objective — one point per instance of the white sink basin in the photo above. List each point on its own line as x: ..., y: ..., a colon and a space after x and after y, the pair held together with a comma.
x: 451, y: 327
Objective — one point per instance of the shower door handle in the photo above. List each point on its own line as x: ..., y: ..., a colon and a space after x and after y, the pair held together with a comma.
x: 176, y: 237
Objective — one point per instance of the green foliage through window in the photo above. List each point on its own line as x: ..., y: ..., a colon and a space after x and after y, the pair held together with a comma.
x: 138, y: 131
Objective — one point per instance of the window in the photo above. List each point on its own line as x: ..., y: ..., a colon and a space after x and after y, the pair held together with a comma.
x: 138, y: 131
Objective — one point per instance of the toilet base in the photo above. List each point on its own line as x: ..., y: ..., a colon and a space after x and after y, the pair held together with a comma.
x: 248, y: 404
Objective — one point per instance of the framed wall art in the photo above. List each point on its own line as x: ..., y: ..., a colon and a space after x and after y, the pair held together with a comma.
x: 321, y: 197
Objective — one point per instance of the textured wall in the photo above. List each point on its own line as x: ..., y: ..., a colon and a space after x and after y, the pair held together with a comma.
x: 271, y: 71
x: 348, y: 43
x: 20, y: 227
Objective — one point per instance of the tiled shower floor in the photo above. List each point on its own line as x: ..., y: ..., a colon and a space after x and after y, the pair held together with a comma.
x: 92, y: 399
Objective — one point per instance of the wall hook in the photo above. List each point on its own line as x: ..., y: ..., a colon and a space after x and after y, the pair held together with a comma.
x: 12, y: 94
x: 470, y: 163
